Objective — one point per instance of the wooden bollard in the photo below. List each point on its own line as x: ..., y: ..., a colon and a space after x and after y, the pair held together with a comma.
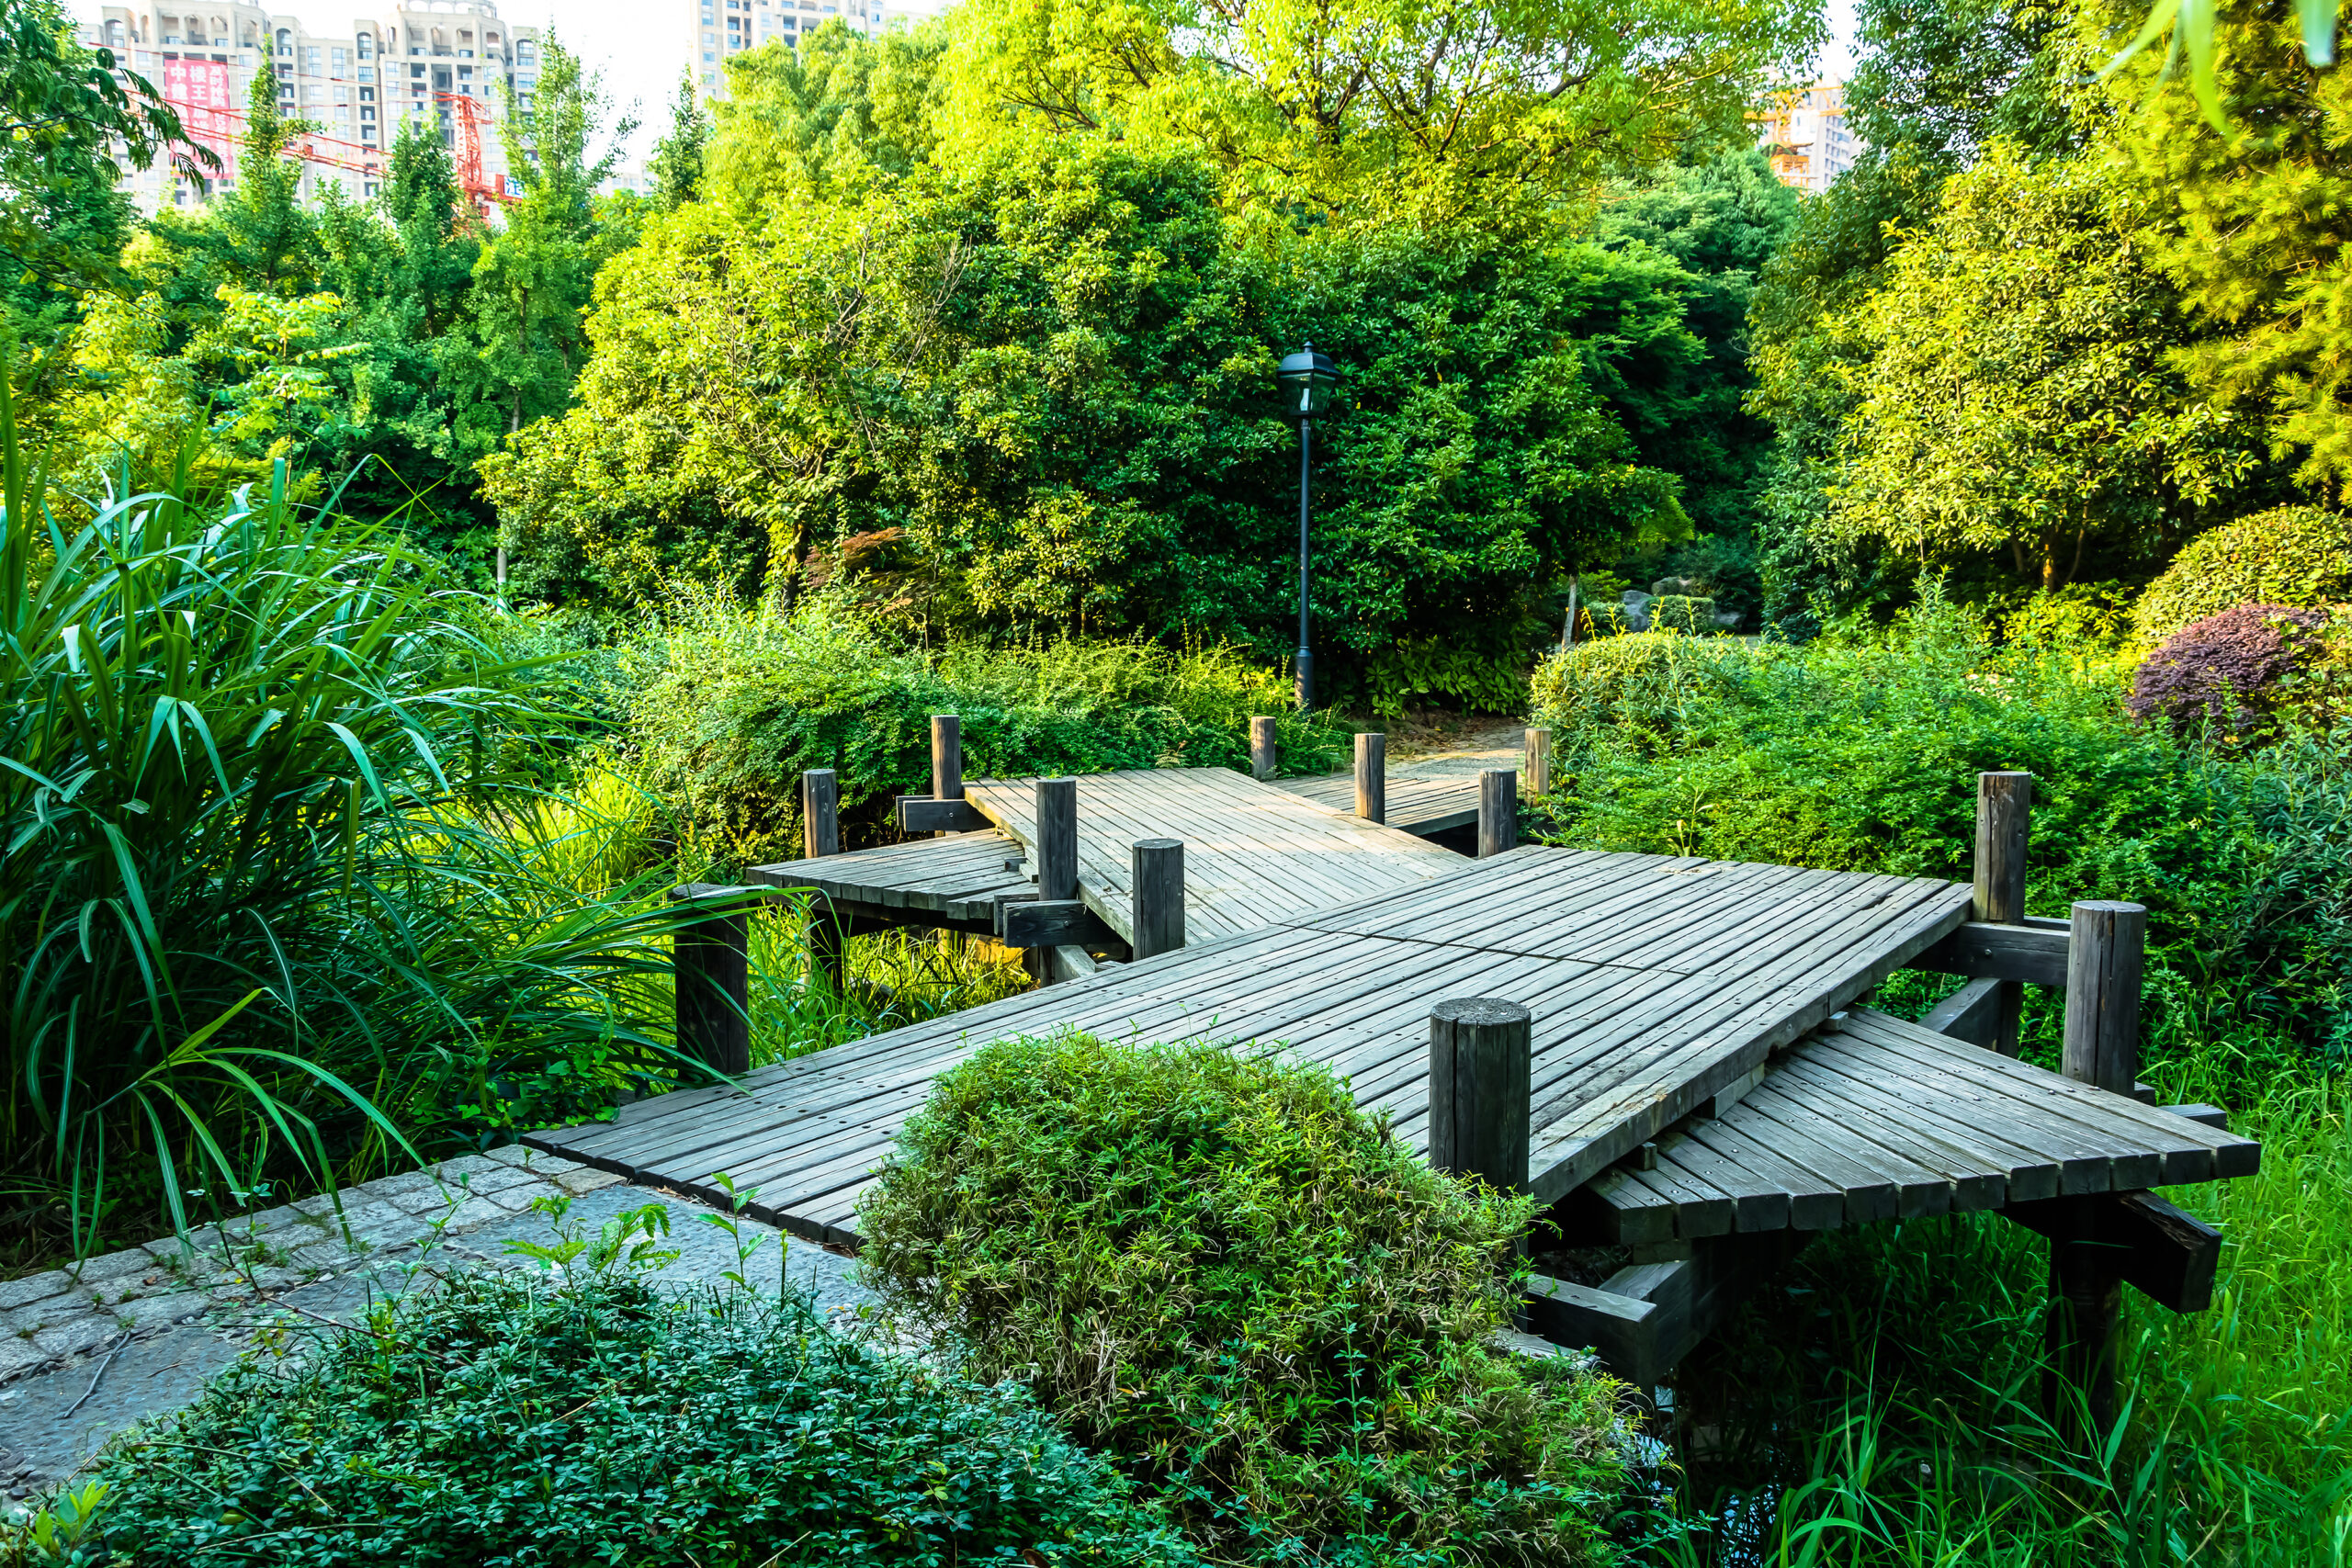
x: 1481, y: 1090
x: 1372, y: 777
x: 1262, y: 748
x: 820, y: 834
x: 2106, y: 948
x: 1055, y: 805
x: 712, y: 961
x: 1157, y: 884
x: 1539, y: 763
x: 946, y: 757
x: 2003, y: 813
x: 820, y: 813
x: 1497, y: 811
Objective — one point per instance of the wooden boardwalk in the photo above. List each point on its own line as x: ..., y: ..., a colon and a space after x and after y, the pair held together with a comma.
x: 1654, y: 984
x: 1254, y: 855
x: 1423, y: 798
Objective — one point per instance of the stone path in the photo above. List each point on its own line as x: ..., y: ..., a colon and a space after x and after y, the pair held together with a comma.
x: 87, y: 1352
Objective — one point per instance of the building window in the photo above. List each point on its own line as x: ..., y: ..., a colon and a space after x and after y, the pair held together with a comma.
x: 706, y: 58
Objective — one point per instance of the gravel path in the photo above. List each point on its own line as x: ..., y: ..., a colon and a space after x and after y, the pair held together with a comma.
x: 84, y: 1353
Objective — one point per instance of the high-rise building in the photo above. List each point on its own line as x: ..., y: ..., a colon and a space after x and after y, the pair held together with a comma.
x: 724, y: 28
x: 1802, y: 130
x: 444, y: 61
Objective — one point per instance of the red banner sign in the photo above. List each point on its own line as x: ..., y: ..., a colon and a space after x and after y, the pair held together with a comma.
x: 198, y: 90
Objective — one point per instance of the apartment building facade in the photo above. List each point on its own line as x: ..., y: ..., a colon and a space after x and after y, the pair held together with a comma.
x: 724, y: 28
x: 444, y: 61
x: 1802, y: 130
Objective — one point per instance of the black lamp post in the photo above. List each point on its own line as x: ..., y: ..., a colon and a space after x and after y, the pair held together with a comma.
x: 1307, y: 380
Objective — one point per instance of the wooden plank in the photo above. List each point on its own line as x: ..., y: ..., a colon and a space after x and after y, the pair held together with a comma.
x: 1984, y: 950
x: 1039, y: 923
x: 1972, y: 1013
x: 922, y: 814
x: 2169, y: 1255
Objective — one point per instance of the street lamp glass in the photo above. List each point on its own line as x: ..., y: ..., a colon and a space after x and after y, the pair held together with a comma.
x: 1306, y: 378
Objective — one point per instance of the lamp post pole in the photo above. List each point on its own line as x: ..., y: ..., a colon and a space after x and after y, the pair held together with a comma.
x: 1305, y: 655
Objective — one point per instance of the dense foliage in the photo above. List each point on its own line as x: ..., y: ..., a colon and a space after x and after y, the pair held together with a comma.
x: 1217, y: 1269
x: 2291, y: 555
x: 726, y: 706
x: 1864, y: 757
x: 249, y: 909
x: 513, y: 1421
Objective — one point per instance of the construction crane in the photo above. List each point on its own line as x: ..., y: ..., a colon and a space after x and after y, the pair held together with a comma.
x: 477, y: 186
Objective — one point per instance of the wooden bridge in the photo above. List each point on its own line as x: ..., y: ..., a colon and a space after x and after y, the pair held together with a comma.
x: 1690, y: 1074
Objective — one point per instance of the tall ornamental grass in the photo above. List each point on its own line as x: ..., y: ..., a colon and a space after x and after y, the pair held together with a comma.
x: 255, y: 924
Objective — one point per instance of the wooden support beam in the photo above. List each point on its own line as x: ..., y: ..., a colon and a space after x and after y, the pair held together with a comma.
x: 1971, y: 1013
x: 1643, y: 1320
x: 1262, y: 748
x: 2204, y: 1115
x: 712, y: 961
x: 946, y: 757
x: 1983, y: 951
x: 1158, y: 883
x: 820, y: 813
x: 1480, y: 1089
x: 1372, y: 777
x: 1539, y: 763
x: 1054, y: 806
x: 2168, y: 1254
x: 2004, y: 814
x: 922, y: 814
x: 1062, y: 922
x: 1497, y: 811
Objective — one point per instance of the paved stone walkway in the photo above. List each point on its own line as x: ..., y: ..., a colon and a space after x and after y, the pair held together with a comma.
x: 87, y: 1352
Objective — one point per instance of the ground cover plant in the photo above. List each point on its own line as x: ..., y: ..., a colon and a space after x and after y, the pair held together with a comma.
x: 1217, y: 1269
x: 589, y: 1417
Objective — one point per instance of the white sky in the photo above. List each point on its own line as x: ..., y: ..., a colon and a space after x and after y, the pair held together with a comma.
x: 641, y: 45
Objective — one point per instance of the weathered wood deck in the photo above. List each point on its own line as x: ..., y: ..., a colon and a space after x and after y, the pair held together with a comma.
x: 1423, y: 798
x: 1654, y: 983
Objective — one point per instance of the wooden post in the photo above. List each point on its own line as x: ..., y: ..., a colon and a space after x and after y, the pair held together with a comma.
x: 2105, y: 949
x: 1539, y: 763
x: 820, y: 813
x: 1158, y: 895
x: 712, y: 959
x: 2003, y: 810
x: 1481, y: 1086
x: 1372, y: 777
x: 1262, y: 748
x: 1056, y: 803
x: 946, y: 757
x: 1497, y: 811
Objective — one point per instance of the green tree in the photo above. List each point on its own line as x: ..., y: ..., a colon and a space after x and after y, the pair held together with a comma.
x: 1457, y: 110
x: 2018, y: 395
x: 678, y: 157
x: 843, y: 111
x: 2250, y: 226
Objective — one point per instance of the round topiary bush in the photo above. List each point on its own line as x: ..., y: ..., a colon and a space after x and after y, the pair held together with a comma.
x: 502, y: 1421
x: 2231, y: 674
x: 2291, y: 555
x: 1217, y: 1268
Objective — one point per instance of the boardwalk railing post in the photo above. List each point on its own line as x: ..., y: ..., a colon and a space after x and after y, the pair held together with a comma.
x: 2004, y: 811
x: 1054, y: 802
x: 1158, y: 895
x: 712, y: 959
x: 946, y: 757
x: 1497, y: 811
x: 820, y: 834
x: 1372, y: 777
x: 1262, y: 748
x: 1539, y: 761
x: 1481, y: 1083
x: 2104, y: 955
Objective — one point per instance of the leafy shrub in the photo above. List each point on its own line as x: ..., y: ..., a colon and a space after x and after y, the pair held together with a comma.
x: 2229, y: 675
x: 501, y: 1420
x: 1864, y: 756
x: 2300, y: 556
x: 731, y: 704
x: 1681, y: 612
x: 1216, y: 1266
x: 1420, y: 671
x: 255, y: 917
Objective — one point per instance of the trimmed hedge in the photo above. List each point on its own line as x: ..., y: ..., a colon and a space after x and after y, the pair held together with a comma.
x: 2297, y: 555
